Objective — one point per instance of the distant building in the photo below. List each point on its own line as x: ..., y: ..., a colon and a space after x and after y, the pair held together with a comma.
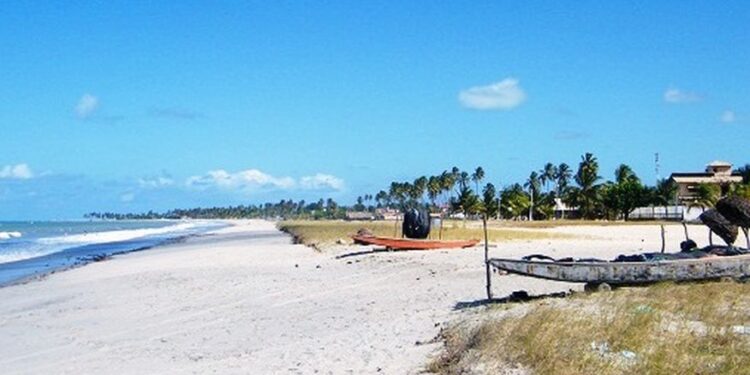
x: 562, y: 210
x: 387, y: 214
x: 361, y: 216
x: 717, y: 173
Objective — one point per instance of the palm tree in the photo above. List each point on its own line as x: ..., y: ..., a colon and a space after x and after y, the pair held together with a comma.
x: 456, y: 173
x: 548, y: 174
x: 419, y: 187
x: 447, y: 181
x: 562, y: 178
x: 477, y: 177
x: 624, y: 173
x: 533, y: 185
x: 467, y: 202
x: 741, y: 190
x: 564, y: 174
x: 398, y: 192
x: 514, y: 201
x: 463, y: 179
x: 744, y: 171
x: 433, y: 189
x: 381, y: 198
x: 664, y: 193
x: 706, y: 196
x: 586, y: 177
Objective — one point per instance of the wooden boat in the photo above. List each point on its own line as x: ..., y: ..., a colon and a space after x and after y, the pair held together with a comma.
x: 412, y: 244
x: 712, y: 267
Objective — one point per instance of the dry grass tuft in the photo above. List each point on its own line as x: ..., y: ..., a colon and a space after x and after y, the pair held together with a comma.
x: 320, y: 234
x: 663, y: 329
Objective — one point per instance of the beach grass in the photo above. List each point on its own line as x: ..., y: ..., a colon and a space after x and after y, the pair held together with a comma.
x: 323, y: 233
x: 699, y: 328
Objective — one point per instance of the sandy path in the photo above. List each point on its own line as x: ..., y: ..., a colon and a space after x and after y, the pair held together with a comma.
x: 247, y: 301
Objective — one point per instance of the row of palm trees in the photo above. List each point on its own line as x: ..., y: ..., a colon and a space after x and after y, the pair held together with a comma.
x: 540, y: 194
x: 437, y: 189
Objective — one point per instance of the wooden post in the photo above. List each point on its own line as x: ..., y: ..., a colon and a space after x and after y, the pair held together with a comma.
x: 663, y: 241
x: 487, y: 258
x: 684, y: 226
x: 395, y: 227
x: 710, y: 237
x: 441, y: 225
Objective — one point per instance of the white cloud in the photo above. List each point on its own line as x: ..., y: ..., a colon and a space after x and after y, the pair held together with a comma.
x: 127, y: 197
x: 503, y: 95
x: 674, y: 95
x: 321, y: 181
x: 156, y: 182
x: 254, y: 179
x: 86, y: 106
x: 18, y: 171
x: 243, y: 180
x: 728, y: 117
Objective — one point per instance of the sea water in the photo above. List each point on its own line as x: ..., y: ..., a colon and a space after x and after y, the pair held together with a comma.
x: 29, y: 249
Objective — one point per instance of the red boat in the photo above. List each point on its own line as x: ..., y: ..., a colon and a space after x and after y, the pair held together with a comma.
x: 412, y: 244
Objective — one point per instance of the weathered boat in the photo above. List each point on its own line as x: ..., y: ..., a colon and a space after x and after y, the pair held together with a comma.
x: 628, y: 273
x: 412, y: 244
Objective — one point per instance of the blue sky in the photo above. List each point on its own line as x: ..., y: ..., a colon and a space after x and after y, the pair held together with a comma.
x: 130, y: 106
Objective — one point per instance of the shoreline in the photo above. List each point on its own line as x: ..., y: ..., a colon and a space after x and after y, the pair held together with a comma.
x: 36, y: 268
x: 85, y: 260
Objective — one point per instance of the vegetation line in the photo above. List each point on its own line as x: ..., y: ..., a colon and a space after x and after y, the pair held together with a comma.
x: 460, y: 192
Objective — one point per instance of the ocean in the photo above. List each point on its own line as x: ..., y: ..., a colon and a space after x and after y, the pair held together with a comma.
x: 30, y: 249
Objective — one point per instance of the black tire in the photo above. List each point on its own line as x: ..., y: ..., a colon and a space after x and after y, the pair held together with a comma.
x: 720, y: 225
x: 736, y: 210
x: 416, y: 224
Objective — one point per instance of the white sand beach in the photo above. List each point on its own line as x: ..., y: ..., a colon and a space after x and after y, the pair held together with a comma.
x: 246, y: 300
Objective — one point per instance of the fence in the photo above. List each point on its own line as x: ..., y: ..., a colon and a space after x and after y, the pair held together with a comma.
x: 660, y: 213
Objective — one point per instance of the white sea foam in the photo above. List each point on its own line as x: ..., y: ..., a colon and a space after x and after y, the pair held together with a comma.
x: 12, y: 256
x: 33, y: 248
x: 115, y: 235
x: 9, y: 235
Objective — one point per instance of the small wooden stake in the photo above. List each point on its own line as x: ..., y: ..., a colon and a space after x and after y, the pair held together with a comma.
x: 441, y: 226
x: 686, y: 231
x: 663, y: 241
x: 487, y: 258
x: 710, y: 237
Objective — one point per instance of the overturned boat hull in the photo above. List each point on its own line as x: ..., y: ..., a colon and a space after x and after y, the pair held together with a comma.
x: 713, y: 267
x: 412, y: 244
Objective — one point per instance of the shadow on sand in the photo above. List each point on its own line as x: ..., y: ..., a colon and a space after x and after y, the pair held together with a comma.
x: 366, y: 252
x: 517, y: 296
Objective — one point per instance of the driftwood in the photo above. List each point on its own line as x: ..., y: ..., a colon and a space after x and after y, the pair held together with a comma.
x: 737, y: 211
x: 719, y: 225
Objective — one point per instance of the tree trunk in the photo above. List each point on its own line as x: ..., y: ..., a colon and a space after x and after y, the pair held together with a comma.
x: 531, y: 207
x: 487, y: 259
